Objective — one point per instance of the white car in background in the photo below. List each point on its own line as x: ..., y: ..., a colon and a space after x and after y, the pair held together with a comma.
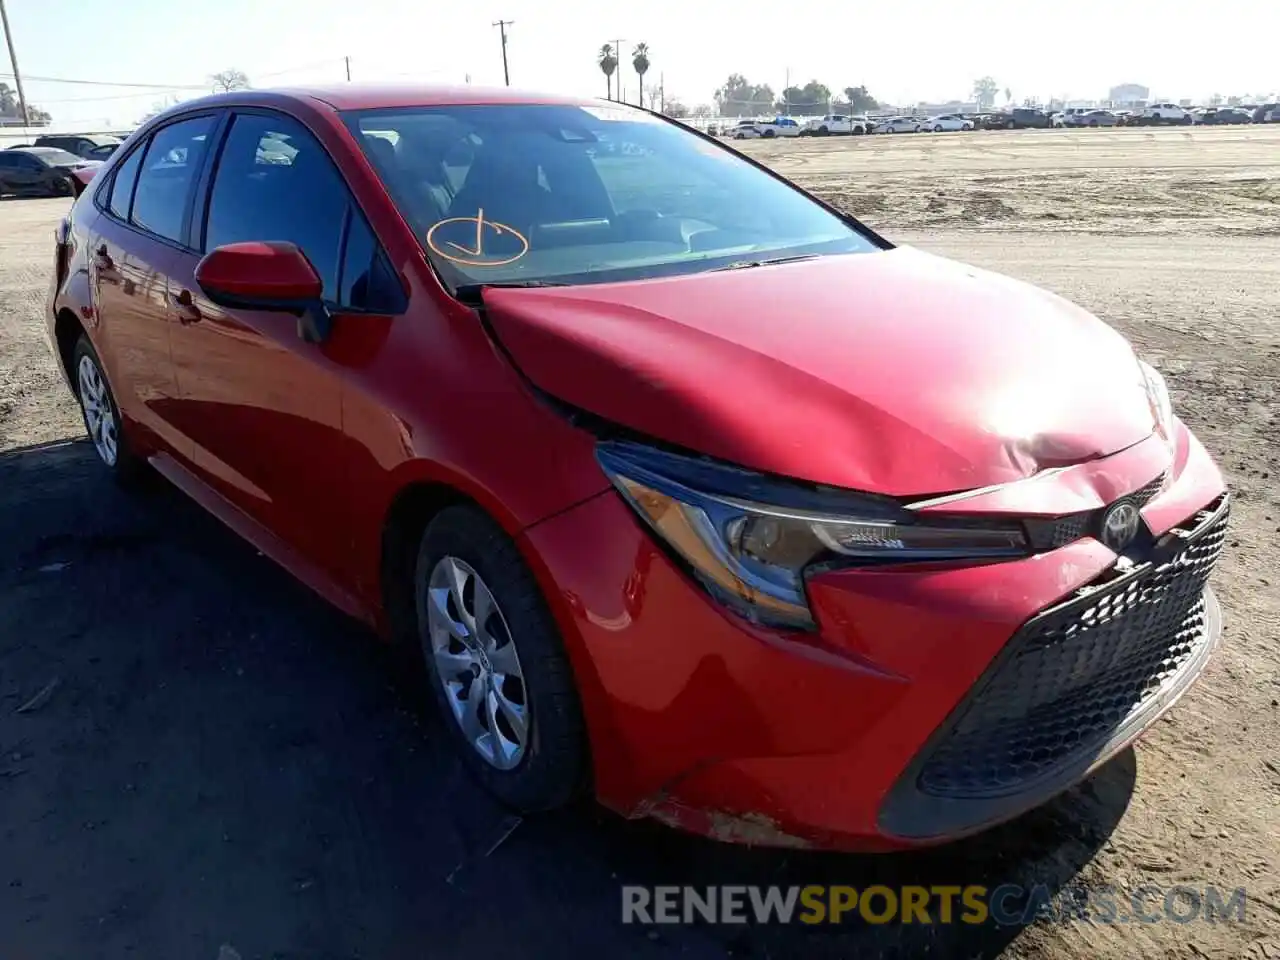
x: 779, y: 127
x: 946, y: 121
x: 766, y: 129
x: 1167, y: 112
x: 898, y: 125
x: 835, y: 124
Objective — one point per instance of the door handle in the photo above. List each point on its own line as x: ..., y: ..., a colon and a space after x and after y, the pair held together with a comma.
x: 185, y: 308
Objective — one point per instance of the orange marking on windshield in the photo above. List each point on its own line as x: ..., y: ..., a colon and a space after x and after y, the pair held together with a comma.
x: 475, y: 256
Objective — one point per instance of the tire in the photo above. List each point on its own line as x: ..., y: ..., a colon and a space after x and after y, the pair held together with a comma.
x: 1008, y: 125
x: 551, y: 764
x: 769, y: 134
x: 859, y: 131
x: 101, y: 415
x: 61, y: 187
x: 824, y: 132
x: 937, y: 128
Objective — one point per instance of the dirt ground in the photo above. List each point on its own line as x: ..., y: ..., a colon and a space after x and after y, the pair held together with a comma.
x: 199, y: 759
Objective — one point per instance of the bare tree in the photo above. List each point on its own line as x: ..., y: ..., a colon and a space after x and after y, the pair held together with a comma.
x: 159, y: 107
x: 229, y: 80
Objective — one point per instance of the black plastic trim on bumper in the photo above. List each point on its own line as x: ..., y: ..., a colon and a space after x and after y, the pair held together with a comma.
x: 912, y: 813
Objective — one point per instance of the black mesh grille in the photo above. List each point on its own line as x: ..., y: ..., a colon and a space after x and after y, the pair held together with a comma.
x: 1069, y: 529
x: 1073, y: 674
x: 1058, y: 532
x: 1144, y: 495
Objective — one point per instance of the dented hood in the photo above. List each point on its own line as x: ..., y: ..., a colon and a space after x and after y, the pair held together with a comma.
x: 895, y: 372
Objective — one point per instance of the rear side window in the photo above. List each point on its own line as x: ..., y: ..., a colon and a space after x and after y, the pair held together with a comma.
x: 168, y: 169
x: 122, y: 186
x: 276, y: 182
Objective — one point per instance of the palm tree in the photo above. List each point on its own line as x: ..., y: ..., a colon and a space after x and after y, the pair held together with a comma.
x: 608, y: 63
x: 640, y: 61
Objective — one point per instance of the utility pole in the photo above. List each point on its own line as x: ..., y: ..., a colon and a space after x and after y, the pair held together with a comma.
x: 617, y: 54
x: 347, y: 61
x: 13, y: 58
x: 502, y: 29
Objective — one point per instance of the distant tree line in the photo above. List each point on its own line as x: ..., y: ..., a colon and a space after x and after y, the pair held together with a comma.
x: 11, y: 110
x: 741, y: 97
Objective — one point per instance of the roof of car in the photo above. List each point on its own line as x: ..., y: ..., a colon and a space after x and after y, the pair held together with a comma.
x: 360, y: 96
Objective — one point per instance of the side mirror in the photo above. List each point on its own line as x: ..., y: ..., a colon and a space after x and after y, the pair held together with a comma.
x: 267, y: 276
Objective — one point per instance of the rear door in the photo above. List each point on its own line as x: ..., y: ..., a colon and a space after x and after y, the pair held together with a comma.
x: 133, y: 245
x: 262, y: 407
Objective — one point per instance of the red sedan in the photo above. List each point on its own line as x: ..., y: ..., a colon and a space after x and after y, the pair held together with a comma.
x: 647, y: 455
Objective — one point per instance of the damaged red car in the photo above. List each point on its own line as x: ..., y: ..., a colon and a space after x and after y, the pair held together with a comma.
x: 684, y: 487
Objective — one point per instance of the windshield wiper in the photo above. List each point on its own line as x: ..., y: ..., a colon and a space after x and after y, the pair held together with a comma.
x: 472, y: 294
x: 746, y: 264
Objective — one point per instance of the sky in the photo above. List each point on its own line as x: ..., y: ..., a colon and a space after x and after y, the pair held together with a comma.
x: 904, y: 51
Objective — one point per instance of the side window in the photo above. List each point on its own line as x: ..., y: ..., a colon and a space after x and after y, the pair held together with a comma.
x: 276, y: 182
x: 122, y: 186
x: 164, y: 182
x: 8, y: 161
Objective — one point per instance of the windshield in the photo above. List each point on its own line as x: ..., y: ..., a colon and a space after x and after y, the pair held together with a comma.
x: 55, y: 157
x: 569, y: 194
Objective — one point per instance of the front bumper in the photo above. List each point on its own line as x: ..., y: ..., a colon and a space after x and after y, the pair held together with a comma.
x: 883, y: 729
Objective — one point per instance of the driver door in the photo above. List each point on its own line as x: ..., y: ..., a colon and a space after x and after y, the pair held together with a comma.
x: 263, y: 407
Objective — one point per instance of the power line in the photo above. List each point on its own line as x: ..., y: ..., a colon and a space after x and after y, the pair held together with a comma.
x: 108, y: 83
x: 502, y: 29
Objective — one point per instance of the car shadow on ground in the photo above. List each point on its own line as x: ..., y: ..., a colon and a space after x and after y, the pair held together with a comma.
x: 195, y: 752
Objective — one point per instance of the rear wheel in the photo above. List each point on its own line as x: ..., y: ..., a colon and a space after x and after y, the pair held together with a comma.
x: 102, y: 415
x: 60, y: 187
x: 496, y: 665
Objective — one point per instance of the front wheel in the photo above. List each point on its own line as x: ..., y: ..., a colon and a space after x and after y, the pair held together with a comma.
x: 495, y: 662
x: 60, y: 187
x: 769, y: 134
x: 937, y: 128
x: 101, y: 414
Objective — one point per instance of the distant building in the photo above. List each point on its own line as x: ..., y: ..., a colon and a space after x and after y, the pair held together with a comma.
x: 1128, y: 93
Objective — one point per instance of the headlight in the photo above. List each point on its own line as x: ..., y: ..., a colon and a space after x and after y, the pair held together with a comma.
x: 750, y: 539
x: 1158, y: 396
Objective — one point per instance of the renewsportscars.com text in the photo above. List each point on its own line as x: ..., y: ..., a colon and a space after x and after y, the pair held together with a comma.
x: 1005, y: 905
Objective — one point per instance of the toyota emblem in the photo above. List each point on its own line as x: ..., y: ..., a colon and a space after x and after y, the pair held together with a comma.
x: 1120, y: 525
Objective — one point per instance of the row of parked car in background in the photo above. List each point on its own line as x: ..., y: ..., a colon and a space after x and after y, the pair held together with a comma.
x: 1019, y: 118
x: 46, y: 167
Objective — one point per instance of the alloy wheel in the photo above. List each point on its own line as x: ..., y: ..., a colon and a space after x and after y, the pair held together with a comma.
x: 99, y: 411
x: 477, y: 663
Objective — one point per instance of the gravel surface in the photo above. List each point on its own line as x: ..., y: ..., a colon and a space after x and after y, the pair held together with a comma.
x: 200, y: 759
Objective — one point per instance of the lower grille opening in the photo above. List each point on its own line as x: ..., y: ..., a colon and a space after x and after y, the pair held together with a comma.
x: 1077, y: 672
